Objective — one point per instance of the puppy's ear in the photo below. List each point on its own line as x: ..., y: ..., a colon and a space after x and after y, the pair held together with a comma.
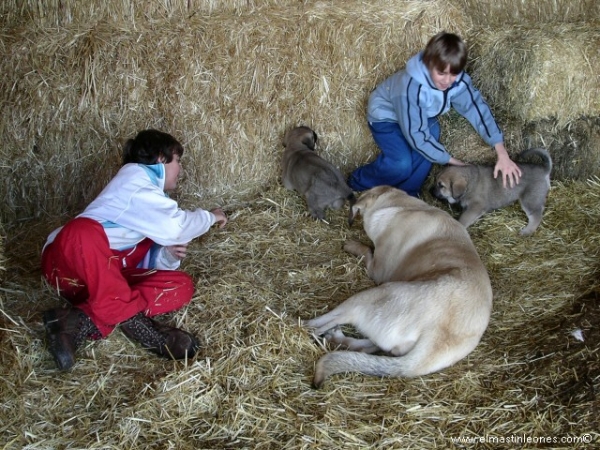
x: 458, y: 187
x: 285, y: 139
x: 310, y: 140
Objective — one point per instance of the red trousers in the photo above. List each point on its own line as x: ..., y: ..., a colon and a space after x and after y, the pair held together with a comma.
x: 106, y: 284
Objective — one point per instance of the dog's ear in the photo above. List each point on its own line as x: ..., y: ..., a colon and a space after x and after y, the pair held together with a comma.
x: 458, y: 186
x: 355, y: 210
x: 352, y: 212
x: 310, y: 140
x: 285, y: 138
x: 363, y: 202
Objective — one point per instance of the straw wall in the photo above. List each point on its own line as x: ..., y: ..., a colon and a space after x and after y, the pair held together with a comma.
x: 574, y: 147
x: 534, y: 71
x: 505, y: 13
x: 225, y: 84
x: 227, y: 78
x: 81, y: 79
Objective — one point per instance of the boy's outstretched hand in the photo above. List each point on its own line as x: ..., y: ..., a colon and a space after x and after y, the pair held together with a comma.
x: 511, y: 173
x: 221, y: 218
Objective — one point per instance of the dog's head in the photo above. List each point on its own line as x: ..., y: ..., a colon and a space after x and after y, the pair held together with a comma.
x: 450, y: 185
x: 300, y: 138
x: 378, y: 197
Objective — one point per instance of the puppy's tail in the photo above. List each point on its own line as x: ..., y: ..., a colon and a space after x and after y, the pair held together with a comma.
x: 349, y: 361
x: 542, y: 154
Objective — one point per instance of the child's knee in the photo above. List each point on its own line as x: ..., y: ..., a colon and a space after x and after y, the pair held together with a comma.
x: 186, y: 287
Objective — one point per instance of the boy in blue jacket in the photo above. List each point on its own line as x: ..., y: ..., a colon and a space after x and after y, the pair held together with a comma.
x: 402, y: 113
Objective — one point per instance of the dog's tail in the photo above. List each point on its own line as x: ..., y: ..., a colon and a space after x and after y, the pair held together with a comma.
x: 367, y: 364
x: 542, y: 154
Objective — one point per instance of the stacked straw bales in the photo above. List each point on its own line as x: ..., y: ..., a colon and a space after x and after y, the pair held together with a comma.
x: 502, y: 14
x: 228, y: 78
x: 536, y: 62
x: 225, y: 84
x: 82, y: 79
x: 538, y: 72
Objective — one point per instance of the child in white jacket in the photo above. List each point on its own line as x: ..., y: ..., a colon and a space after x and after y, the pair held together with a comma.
x: 116, y: 262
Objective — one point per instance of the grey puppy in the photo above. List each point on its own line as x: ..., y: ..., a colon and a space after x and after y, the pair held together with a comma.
x: 476, y: 190
x: 317, y: 180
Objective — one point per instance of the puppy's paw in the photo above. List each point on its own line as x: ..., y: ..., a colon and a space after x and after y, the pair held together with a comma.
x: 527, y: 231
x: 317, y: 214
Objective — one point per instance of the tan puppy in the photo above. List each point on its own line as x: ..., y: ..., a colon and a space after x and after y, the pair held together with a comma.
x: 433, y: 300
x: 302, y: 170
x: 476, y: 190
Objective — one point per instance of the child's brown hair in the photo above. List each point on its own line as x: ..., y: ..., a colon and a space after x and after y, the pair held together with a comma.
x: 150, y: 145
x: 446, y: 49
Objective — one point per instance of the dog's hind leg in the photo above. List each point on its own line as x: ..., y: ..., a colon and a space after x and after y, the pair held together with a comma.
x: 337, y: 336
x: 316, y: 209
x: 534, y: 216
x: 326, y: 322
x: 345, y: 313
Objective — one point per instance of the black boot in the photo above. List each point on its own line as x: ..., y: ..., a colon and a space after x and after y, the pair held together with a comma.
x: 166, y: 341
x: 66, y: 330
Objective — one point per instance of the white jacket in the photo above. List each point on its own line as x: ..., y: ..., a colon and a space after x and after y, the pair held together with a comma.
x: 134, y: 206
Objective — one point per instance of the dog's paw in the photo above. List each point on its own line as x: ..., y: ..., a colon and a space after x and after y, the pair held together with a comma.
x: 526, y: 231
x: 355, y: 248
x: 335, y: 334
x: 317, y: 214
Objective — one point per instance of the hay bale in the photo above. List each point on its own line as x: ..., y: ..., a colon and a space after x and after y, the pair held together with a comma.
x: 2, y: 253
x: 574, y: 147
x: 64, y: 12
x: 539, y: 71
x: 225, y: 84
x: 506, y: 13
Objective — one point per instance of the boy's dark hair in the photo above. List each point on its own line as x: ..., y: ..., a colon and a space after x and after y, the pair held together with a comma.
x: 443, y: 50
x: 149, y: 145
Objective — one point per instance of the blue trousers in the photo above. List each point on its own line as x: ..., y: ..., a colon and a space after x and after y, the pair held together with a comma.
x: 398, y: 164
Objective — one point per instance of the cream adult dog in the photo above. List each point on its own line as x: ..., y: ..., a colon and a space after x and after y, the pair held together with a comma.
x: 476, y: 190
x: 319, y: 181
x: 433, y: 300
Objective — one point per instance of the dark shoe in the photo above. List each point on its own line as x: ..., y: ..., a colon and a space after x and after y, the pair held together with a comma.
x: 66, y: 330
x: 166, y: 341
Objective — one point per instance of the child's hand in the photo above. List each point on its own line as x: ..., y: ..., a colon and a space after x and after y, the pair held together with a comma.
x: 456, y: 162
x: 221, y: 218
x: 511, y: 174
x: 177, y: 251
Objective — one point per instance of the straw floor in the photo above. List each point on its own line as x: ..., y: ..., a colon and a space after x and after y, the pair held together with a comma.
x: 530, y: 378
